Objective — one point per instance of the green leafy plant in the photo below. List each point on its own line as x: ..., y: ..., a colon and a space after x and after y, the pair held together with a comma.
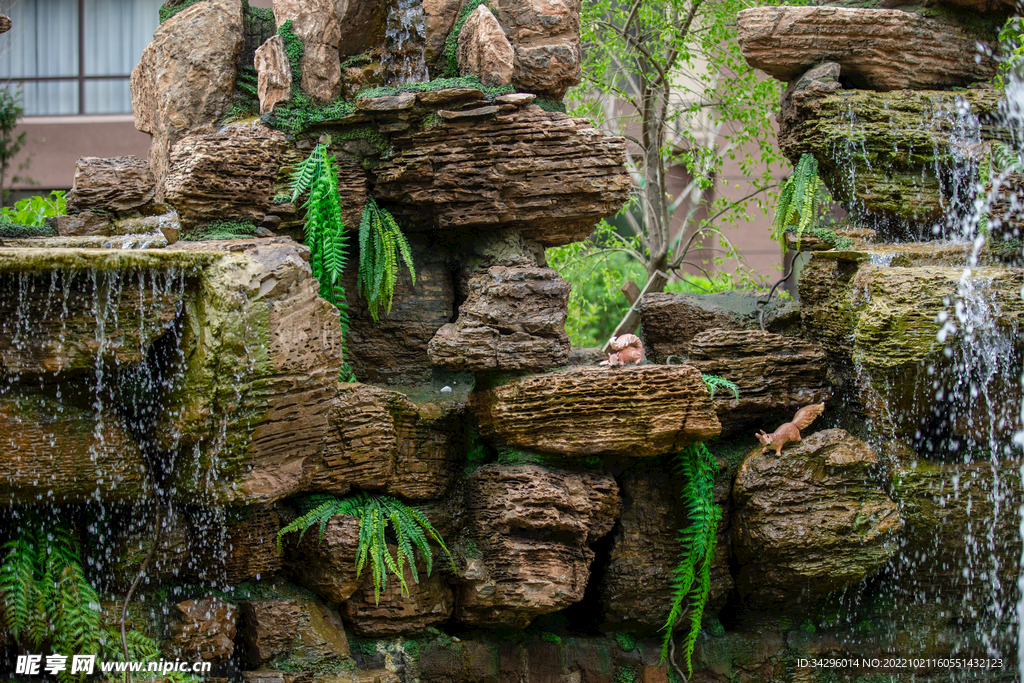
x: 409, y: 527
x: 692, y: 577
x: 715, y: 382
x: 35, y: 210
x: 168, y: 10
x: 47, y: 604
x: 10, y: 144
x: 1011, y: 39
x: 800, y: 202
x: 381, y: 242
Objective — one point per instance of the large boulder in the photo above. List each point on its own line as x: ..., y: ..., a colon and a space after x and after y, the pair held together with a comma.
x: 636, y: 587
x: 546, y: 175
x: 273, y: 74
x: 111, y: 184
x: 532, y: 526
x: 315, y: 24
x: 381, y: 440
x: 891, y: 155
x: 325, y: 562
x: 512, y: 319
x: 483, y: 49
x: 632, y: 411
x: 234, y: 546
x: 185, y: 80
x: 429, y: 601
x: 250, y: 391
x: 305, y: 633
x: 546, y: 37
x: 903, y: 338
x: 811, y: 521
x: 878, y: 49
x: 202, y: 629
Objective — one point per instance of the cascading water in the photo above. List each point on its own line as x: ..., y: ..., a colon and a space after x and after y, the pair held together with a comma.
x: 404, y: 61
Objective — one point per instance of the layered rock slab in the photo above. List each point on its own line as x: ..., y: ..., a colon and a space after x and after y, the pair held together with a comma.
x: 185, y: 80
x: 634, y: 411
x: 248, y: 404
x: 202, y: 629
x: 546, y: 175
x: 429, y: 601
x: 892, y: 155
x: 532, y: 525
x: 111, y: 184
x: 811, y: 521
x: 512, y: 319
x: 878, y: 49
x: 776, y: 375
x: 304, y: 632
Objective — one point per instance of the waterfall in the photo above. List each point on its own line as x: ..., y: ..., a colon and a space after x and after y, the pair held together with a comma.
x: 404, y: 58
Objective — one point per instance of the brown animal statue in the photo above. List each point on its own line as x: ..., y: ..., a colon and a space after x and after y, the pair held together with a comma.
x: 791, y: 430
x: 626, y: 349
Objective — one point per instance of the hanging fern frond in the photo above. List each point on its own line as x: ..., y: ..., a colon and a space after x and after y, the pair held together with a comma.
x: 714, y: 382
x: 799, y: 202
x: 324, y: 229
x: 376, y: 514
x: 692, y: 577
x: 381, y: 245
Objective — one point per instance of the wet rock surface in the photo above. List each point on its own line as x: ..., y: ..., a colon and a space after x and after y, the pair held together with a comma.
x: 305, y: 632
x: 111, y: 184
x: 202, y: 629
x: 326, y: 565
x: 812, y: 521
x: 633, y: 411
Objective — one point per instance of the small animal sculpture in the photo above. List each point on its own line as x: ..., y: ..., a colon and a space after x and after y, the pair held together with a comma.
x: 625, y: 349
x: 791, y: 430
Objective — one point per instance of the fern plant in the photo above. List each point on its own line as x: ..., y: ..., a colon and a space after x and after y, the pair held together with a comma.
x: 381, y: 242
x: 691, y: 579
x: 47, y: 603
x: 324, y: 229
x: 799, y: 201
x: 715, y: 382
x: 410, y: 528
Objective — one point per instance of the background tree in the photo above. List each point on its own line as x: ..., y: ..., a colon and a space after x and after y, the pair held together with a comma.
x: 668, y: 75
x: 10, y: 144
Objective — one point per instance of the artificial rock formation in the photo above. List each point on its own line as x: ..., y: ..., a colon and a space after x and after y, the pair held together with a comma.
x: 114, y: 184
x: 636, y: 588
x: 634, y: 411
x: 304, y: 632
x: 483, y: 49
x: 381, y: 440
x: 429, y: 601
x: 776, y: 375
x: 63, y: 453
x: 532, y: 526
x: 238, y: 548
x: 184, y: 81
x: 887, y: 154
x: 811, y: 521
x: 202, y: 630
x: 877, y: 49
x: 249, y: 404
x: 327, y: 565
x: 315, y: 23
x: 546, y: 36
x: 512, y: 319
x: 274, y: 74
x: 546, y: 175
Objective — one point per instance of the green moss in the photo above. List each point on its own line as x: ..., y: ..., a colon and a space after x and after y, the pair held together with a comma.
x: 356, y: 60
x: 625, y: 640
x: 626, y: 674
x: 168, y: 11
x: 434, y: 85
x: 246, y: 100
x: 263, y: 14
x: 20, y: 231
x: 451, y: 43
x: 550, y: 105
x: 826, y: 234
x: 549, y: 637
x: 369, y: 133
x: 219, y: 230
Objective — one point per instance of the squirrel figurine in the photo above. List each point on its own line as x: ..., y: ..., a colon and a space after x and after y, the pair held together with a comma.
x: 791, y: 430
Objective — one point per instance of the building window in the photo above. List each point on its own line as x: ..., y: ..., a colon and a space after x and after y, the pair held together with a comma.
x: 75, y: 56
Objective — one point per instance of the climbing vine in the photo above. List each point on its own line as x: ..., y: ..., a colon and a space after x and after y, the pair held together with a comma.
x: 410, y: 528
x: 381, y: 243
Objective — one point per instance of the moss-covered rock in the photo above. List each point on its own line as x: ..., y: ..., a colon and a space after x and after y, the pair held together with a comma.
x: 901, y: 155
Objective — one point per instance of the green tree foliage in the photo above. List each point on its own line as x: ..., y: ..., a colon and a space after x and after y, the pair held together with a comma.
x: 669, y: 76
x: 692, y: 577
x: 10, y: 144
x: 381, y: 244
x: 800, y: 202
x: 48, y: 605
x: 410, y: 529
x: 1011, y: 39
